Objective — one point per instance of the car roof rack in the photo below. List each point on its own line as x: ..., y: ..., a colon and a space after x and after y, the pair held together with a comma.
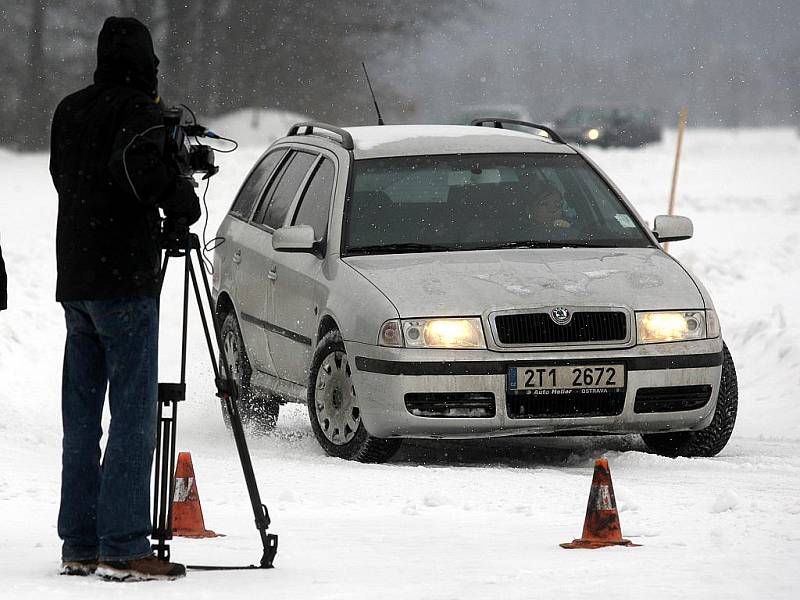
x: 308, y: 128
x: 499, y: 121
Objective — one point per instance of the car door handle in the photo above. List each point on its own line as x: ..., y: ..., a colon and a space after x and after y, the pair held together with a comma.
x: 272, y: 274
x: 237, y: 256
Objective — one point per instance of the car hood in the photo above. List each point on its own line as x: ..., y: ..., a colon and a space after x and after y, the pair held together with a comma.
x: 478, y: 282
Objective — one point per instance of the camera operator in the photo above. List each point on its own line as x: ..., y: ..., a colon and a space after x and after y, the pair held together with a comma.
x: 108, y: 166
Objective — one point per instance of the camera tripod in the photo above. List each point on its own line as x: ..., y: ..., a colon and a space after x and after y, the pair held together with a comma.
x: 182, y: 244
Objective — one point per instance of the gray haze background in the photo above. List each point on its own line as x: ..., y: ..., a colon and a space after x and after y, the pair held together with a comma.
x: 731, y: 62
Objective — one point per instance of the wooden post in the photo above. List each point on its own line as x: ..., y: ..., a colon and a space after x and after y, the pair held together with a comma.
x: 681, y: 126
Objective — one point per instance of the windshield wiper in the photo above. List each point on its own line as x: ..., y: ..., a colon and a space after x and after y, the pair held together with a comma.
x: 520, y: 244
x: 406, y: 247
x: 398, y: 248
x: 535, y: 244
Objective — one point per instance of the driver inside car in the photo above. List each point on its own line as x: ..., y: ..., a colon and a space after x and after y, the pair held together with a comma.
x: 545, y: 209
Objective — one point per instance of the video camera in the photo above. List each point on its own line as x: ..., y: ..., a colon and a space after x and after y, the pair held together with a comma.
x: 183, y: 146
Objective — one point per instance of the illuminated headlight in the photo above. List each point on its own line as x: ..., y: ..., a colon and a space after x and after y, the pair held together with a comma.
x: 433, y: 333
x: 671, y: 326
x: 593, y: 134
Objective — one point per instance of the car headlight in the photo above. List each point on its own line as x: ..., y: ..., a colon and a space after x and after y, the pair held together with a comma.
x: 433, y: 333
x: 671, y: 326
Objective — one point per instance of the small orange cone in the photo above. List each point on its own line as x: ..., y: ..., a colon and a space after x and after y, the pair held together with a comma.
x: 187, y: 516
x: 601, y: 527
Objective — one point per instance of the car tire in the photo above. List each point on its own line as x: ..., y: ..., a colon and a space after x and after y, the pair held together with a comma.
x: 711, y: 440
x: 259, y: 412
x: 333, y: 408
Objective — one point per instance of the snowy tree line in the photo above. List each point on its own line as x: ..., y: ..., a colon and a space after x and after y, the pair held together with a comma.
x: 216, y: 55
x: 732, y: 62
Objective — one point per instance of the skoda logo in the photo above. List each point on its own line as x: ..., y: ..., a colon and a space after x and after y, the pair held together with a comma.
x: 560, y: 315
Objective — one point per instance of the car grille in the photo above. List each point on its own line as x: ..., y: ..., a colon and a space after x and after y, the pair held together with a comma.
x: 565, y: 403
x: 671, y: 399
x: 539, y: 328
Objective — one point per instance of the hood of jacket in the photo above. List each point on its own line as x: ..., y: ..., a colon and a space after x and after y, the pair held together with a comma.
x: 125, y: 56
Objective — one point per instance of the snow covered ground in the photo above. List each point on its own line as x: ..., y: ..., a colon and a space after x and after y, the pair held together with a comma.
x: 453, y: 520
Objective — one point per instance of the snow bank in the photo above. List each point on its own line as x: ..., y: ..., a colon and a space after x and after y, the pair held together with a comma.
x: 253, y: 126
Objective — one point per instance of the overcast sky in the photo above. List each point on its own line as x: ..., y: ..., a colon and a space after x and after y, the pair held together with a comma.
x: 523, y: 52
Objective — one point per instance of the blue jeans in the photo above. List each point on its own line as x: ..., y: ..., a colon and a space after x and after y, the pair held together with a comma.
x: 105, y: 508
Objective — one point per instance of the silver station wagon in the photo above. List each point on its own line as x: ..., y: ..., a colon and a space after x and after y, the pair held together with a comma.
x: 427, y: 281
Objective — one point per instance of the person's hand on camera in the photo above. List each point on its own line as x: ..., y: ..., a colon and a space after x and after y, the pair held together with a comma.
x: 184, y: 208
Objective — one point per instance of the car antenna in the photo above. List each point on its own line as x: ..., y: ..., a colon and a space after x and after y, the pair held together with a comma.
x: 377, y: 110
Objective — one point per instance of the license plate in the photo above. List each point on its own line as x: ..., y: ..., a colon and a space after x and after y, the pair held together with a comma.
x: 573, y: 377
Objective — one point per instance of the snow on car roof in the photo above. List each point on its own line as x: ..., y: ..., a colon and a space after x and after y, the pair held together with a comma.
x: 409, y: 140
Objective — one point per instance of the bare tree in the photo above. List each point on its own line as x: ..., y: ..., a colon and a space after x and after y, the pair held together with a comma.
x: 34, y: 114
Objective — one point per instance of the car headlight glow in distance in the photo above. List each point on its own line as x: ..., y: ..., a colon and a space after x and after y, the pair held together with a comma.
x: 454, y: 333
x: 593, y: 134
x: 670, y: 326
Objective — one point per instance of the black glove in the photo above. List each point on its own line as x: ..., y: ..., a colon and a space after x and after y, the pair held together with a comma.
x: 183, y: 207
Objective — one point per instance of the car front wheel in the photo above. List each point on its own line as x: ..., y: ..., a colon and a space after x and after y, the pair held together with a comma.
x: 711, y: 440
x: 333, y: 407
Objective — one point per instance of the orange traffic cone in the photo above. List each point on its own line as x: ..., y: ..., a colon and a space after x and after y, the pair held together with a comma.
x: 187, y: 516
x: 601, y: 527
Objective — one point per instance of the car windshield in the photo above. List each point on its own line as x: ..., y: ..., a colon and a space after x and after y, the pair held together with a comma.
x: 483, y: 201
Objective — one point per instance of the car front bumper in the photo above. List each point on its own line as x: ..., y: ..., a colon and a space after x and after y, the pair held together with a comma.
x: 383, y: 376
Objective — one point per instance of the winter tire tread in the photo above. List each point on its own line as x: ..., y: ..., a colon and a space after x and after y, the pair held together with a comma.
x: 711, y: 440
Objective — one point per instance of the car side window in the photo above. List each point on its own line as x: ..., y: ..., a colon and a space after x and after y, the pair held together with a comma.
x: 316, y: 201
x: 266, y: 195
x: 284, y: 189
x: 251, y: 190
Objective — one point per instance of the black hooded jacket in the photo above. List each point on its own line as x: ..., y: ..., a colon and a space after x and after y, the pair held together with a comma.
x: 107, y: 164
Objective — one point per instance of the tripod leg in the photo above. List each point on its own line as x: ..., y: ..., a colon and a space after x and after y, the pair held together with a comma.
x: 158, y: 530
x: 162, y: 528
x: 179, y: 391
x: 203, y: 319
x: 269, y: 541
x: 169, y: 394
x: 160, y: 535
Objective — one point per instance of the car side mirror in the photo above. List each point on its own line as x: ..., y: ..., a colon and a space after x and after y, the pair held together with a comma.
x: 669, y: 228
x: 295, y: 238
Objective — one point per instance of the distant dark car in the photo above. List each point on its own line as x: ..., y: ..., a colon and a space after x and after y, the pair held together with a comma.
x: 616, y: 126
x: 508, y: 111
